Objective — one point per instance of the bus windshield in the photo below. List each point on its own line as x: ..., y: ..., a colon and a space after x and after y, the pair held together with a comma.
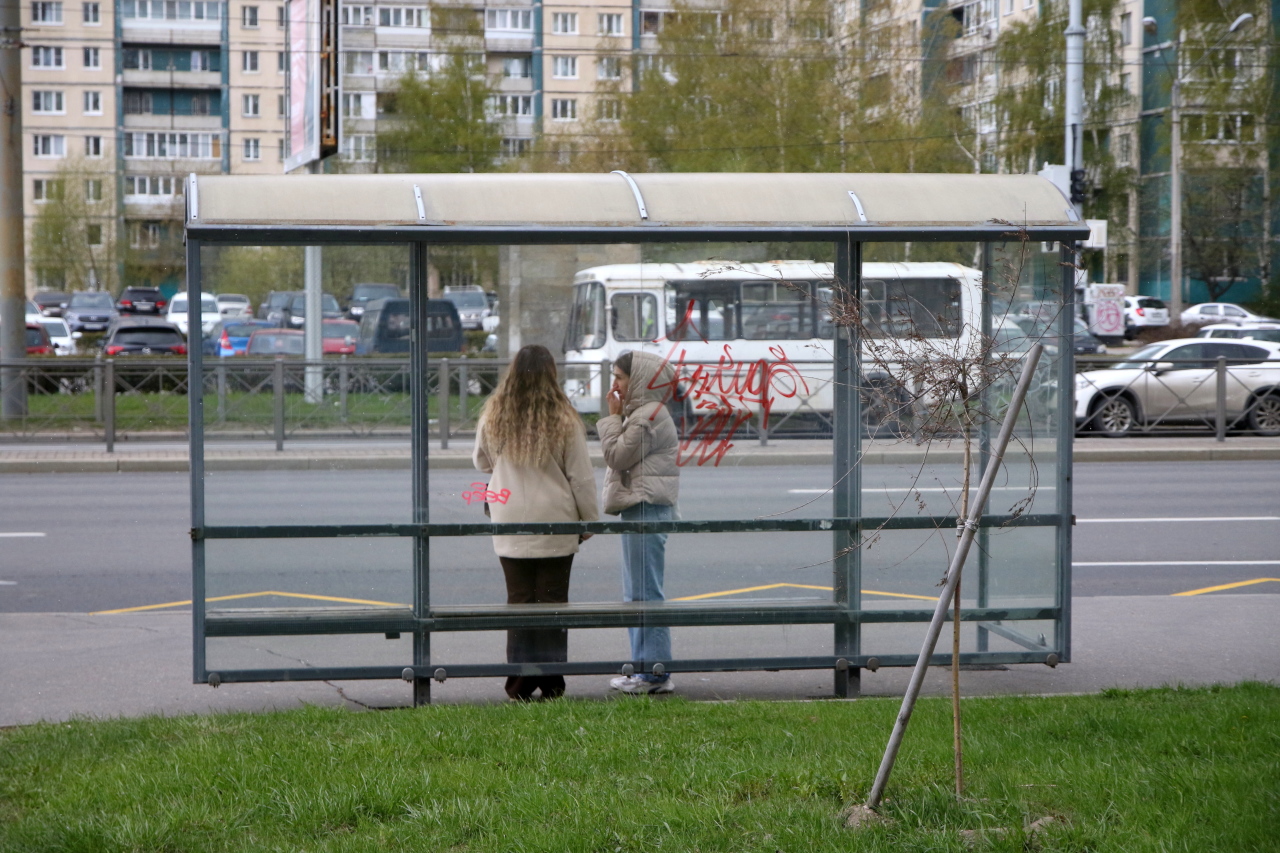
x: 587, y: 319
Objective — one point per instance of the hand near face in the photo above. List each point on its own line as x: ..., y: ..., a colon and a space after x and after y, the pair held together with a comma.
x: 615, y: 399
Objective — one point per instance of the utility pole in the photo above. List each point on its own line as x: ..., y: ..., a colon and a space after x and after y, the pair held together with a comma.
x: 13, y: 288
x: 1075, y: 122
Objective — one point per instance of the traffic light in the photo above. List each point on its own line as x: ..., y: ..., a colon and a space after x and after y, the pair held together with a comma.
x: 1079, y: 186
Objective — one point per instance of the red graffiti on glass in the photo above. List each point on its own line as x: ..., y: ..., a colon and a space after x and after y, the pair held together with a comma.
x: 724, y: 396
x: 480, y: 492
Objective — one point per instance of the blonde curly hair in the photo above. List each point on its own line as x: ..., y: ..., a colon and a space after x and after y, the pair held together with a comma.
x: 529, y: 416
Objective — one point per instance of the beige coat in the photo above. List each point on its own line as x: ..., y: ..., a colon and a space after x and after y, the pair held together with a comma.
x: 562, y: 489
x: 640, y: 444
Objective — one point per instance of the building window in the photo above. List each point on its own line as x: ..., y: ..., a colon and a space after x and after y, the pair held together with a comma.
x: 45, y: 189
x: 281, y: 60
x: 359, y: 61
x: 137, y: 60
x: 93, y: 103
x: 160, y: 10
x: 610, y: 24
x: 201, y: 105
x: 564, y: 23
x: 252, y: 149
x: 609, y: 109
x: 47, y: 102
x: 280, y: 106
x: 172, y: 146
x: 249, y: 17
x: 93, y: 189
x: 249, y: 62
x: 359, y: 105
x: 92, y: 13
x: 518, y: 20
x: 609, y: 68
x: 357, y: 16
x: 1126, y: 28
x: 519, y: 67
x: 564, y: 109
x: 49, y: 145
x: 156, y: 186
x: 359, y: 147
x: 280, y: 16
x: 137, y: 103
x: 401, y: 16
x: 43, y: 12
x: 252, y: 106
x: 564, y: 67
x: 515, y: 146
x: 1124, y: 149
x: 46, y: 57
x: 206, y: 60
x: 511, y: 105
x: 280, y: 149
x: 93, y: 234
x: 145, y: 235
x: 92, y: 57
x: 93, y: 146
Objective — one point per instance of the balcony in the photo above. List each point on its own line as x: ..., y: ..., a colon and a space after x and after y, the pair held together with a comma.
x: 172, y: 79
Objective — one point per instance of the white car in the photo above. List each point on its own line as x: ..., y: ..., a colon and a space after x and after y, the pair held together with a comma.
x: 62, y: 338
x: 1248, y: 331
x: 209, y: 314
x: 234, y: 305
x: 1222, y: 312
x: 1175, y: 382
x: 1143, y: 311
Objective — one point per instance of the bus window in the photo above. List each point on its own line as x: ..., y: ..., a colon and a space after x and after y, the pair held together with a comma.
x: 826, y: 327
x: 586, y: 322
x: 775, y: 311
x: 702, y: 310
x: 925, y: 307
x: 635, y: 317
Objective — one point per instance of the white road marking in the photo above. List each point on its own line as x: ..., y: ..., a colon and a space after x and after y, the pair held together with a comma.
x: 8, y: 583
x: 1185, y: 563
x: 1158, y: 520
x: 17, y: 535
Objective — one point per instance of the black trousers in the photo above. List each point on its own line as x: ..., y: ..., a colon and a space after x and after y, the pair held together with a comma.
x: 542, y: 580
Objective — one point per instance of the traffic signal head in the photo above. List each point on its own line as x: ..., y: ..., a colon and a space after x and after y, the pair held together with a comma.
x: 1079, y: 186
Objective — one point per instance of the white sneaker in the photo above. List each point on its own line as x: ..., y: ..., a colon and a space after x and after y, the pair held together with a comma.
x: 639, y: 685
x: 622, y: 681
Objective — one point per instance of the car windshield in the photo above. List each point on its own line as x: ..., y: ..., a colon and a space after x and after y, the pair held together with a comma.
x: 92, y: 300
x: 141, y: 293
x: 299, y: 303
x: 208, y: 305
x: 242, y: 330
x: 148, y: 337
x: 276, y: 344
x: 233, y: 297
x: 49, y: 298
x: 1150, y: 302
x: 341, y: 330
x: 1140, y: 358
x: 35, y: 338
x: 1272, y: 335
x: 367, y: 292
x: 468, y: 299
x: 56, y: 329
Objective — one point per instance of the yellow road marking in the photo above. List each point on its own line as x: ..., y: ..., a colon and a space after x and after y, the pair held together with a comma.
x: 249, y: 595
x: 796, y: 586
x: 1227, y: 586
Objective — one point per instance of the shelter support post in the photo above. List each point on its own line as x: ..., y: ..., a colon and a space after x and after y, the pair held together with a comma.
x: 846, y: 473
x: 420, y: 420
x: 195, y: 415
x: 1065, y: 447
x: 984, y: 442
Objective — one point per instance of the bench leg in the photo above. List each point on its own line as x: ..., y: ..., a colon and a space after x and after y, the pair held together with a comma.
x: 848, y: 683
x: 421, y: 692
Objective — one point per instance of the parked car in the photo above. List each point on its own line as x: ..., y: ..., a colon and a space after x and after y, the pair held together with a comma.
x: 143, y: 336
x: 273, y: 342
x: 363, y: 294
x: 294, y: 313
x: 235, y: 335
x: 387, y: 326
x: 340, y: 337
x: 141, y: 300
x: 62, y: 338
x: 49, y: 302
x: 208, y: 312
x: 1084, y: 342
x: 275, y: 304
x: 1141, y: 312
x: 235, y: 305
x: 1222, y: 312
x: 90, y: 311
x: 38, y: 340
x: 1249, y: 331
x: 1175, y: 382
x: 472, y: 305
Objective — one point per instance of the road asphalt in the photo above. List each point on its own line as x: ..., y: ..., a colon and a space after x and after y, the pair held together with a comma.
x: 58, y: 666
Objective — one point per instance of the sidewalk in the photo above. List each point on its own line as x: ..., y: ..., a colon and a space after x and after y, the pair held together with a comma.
x: 171, y: 456
x: 62, y: 665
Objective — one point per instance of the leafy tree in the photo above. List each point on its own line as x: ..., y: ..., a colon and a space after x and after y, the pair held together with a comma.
x: 73, y: 238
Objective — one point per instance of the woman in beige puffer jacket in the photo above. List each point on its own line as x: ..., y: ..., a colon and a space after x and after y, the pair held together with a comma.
x: 642, y: 483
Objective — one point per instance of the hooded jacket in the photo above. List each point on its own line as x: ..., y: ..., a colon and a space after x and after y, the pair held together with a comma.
x: 640, y: 444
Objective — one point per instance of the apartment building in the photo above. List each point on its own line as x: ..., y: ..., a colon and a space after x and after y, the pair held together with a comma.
x: 121, y: 100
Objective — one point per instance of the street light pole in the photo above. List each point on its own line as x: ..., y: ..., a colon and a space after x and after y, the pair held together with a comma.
x: 1175, y: 158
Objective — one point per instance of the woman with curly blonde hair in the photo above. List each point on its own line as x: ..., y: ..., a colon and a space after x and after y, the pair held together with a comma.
x: 531, y: 440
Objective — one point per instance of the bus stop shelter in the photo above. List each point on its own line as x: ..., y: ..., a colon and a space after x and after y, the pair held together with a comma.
x: 342, y: 575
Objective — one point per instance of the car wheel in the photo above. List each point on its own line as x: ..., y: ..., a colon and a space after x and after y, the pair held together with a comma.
x: 1116, y: 417
x: 1264, y: 415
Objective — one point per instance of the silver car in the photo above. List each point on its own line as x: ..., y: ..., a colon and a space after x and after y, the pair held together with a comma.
x: 1176, y: 383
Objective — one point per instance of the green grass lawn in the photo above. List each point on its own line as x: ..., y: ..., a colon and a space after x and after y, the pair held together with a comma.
x: 1159, y: 770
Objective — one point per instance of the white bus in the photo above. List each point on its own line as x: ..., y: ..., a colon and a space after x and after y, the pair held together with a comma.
x: 733, y: 318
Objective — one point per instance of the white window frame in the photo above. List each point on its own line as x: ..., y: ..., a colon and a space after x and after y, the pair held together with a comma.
x: 523, y: 64
x: 92, y: 57
x: 360, y: 147
x: 54, y: 55
x: 249, y: 62
x: 48, y: 102
x: 93, y: 190
x: 609, y: 68
x: 251, y: 106
x: 89, y: 232
x: 92, y: 13
x: 508, y: 21
x: 360, y: 62
x: 564, y: 67
x: 49, y: 146
x: 564, y: 23
x: 46, y: 13
x: 43, y: 190
x: 609, y: 109
x: 252, y: 149
x: 511, y: 106
x: 515, y: 146
x: 93, y: 147
x: 92, y: 102
x: 610, y: 24
x: 144, y: 234
x: 564, y: 109
x: 249, y: 19
x: 358, y: 16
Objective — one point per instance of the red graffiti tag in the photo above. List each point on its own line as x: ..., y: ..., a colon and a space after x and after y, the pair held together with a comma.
x: 725, y: 395
x: 480, y: 492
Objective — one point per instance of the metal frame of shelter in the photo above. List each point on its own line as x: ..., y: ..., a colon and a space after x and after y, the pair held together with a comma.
x: 425, y: 210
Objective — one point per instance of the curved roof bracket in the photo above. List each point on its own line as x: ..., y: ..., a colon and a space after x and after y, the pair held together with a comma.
x: 422, y: 211
x: 635, y: 191
x: 857, y: 202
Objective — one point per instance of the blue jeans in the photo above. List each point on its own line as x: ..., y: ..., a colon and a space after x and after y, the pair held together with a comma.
x: 643, y: 563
